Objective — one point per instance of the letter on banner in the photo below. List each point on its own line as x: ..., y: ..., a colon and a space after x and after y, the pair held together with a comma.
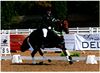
x: 98, y: 44
x: 85, y: 44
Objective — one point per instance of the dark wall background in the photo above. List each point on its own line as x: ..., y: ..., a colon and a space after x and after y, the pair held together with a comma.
x: 83, y: 13
x: 28, y: 14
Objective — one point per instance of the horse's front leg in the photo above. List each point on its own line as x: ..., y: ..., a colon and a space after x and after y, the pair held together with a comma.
x: 67, y: 54
x: 43, y: 57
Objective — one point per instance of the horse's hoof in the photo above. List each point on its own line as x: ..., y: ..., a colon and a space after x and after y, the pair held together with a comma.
x: 49, y: 60
x: 40, y: 63
x: 34, y: 63
x: 70, y: 62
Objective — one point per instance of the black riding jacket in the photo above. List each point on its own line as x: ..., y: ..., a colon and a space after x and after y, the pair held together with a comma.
x: 48, y: 21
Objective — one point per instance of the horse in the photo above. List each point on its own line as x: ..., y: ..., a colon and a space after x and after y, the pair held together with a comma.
x: 38, y: 39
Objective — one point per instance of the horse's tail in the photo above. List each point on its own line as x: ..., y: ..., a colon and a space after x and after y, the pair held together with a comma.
x: 25, y: 46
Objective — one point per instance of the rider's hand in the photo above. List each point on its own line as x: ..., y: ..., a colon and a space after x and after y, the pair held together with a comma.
x: 57, y: 20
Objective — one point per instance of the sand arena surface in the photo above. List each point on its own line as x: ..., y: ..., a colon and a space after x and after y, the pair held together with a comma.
x: 54, y: 66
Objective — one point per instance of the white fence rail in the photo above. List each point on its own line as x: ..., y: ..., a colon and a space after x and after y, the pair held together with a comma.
x: 78, y: 30
x: 72, y: 31
x: 85, y: 30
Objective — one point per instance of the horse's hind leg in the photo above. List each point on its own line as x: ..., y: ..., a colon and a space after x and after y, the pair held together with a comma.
x: 40, y: 52
x: 43, y: 57
x: 33, y: 54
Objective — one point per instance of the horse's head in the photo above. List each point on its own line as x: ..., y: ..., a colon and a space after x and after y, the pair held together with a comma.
x: 65, y: 24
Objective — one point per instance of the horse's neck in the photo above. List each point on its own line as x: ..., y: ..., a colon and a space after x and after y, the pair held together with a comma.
x: 44, y: 32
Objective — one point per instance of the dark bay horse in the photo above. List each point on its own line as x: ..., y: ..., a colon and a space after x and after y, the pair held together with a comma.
x: 36, y: 40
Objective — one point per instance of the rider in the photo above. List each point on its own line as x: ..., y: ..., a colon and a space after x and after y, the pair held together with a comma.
x: 48, y: 20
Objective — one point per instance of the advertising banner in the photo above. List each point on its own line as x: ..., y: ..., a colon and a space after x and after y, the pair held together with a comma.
x: 87, y: 41
x: 69, y: 40
x: 5, y: 43
x: 15, y: 41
